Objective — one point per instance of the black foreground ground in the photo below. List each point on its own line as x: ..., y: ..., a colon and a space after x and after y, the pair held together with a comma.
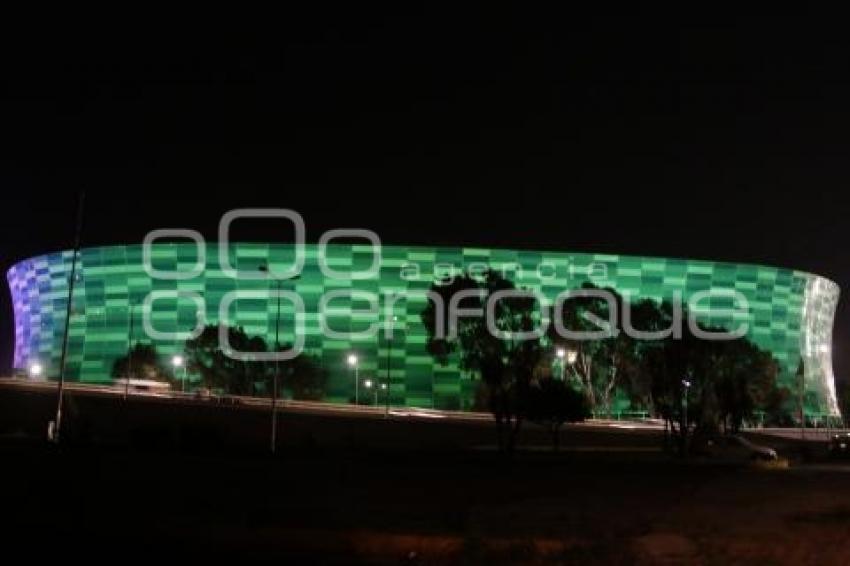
x: 368, y: 491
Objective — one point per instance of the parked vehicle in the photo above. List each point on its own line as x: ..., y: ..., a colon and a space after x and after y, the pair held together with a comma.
x: 839, y: 446
x: 735, y: 447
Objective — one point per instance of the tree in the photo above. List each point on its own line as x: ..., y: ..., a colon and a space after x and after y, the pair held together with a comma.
x: 220, y: 371
x: 728, y: 381
x: 141, y: 363
x: 552, y: 402
x: 608, y: 361
x: 778, y: 409
x: 800, y: 386
x: 505, y: 366
x: 744, y: 380
x: 649, y: 316
x: 304, y: 376
x: 844, y: 396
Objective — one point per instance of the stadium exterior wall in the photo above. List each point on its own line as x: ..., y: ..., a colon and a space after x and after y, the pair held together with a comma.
x: 790, y: 312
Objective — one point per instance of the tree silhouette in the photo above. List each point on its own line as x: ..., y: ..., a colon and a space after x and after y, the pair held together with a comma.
x: 219, y: 371
x: 552, y: 403
x: 505, y: 366
x: 302, y: 375
x: 607, y: 362
x: 142, y: 362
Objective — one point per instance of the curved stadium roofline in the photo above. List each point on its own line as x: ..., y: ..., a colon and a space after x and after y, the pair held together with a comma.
x: 484, y: 247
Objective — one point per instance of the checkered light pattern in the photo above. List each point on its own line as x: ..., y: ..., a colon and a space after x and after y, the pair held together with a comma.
x: 790, y: 312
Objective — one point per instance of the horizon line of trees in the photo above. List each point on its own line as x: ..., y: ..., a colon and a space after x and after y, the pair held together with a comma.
x: 722, y: 383
x: 303, y: 376
x: 696, y: 386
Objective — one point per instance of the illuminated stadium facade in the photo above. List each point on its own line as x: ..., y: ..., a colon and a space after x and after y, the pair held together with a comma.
x: 790, y: 312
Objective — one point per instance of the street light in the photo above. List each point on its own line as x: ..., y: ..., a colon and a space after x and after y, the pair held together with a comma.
x: 35, y: 370
x: 130, y: 352
x: 279, y: 284
x: 178, y: 362
x: 386, y: 386
x: 54, y: 428
x: 685, y: 426
x: 566, y: 357
x: 368, y: 384
x: 353, y: 363
x: 562, y: 355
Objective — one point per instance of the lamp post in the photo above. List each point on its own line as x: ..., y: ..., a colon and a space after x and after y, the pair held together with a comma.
x: 353, y: 363
x: 54, y: 431
x: 801, y: 386
x: 279, y: 284
x: 129, y: 352
x: 387, y: 385
x: 178, y: 362
x: 369, y: 384
x: 566, y: 357
x: 686, y: 386
x: 561, y: 355
x: 35, y: 370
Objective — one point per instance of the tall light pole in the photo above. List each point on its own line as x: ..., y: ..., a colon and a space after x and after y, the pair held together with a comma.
x: 386, y: 387
x: 353, y: 363
x: 369, y: 384
x: 389, y: 373
x: 801, y: 387
x: 178, y: 362
x: 279, y: 283
x: 562, y: 356
x: 129, y: 352
x: 566, y: 357
x: 35, y: 370
x: 686, y: 386
x: 572, y: 357
x: 60, y: 390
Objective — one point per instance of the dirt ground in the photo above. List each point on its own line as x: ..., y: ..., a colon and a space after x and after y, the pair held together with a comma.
x: 377, y: 493
x: 380, y: 507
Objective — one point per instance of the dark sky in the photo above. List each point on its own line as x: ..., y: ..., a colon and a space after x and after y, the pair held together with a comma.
x: 725, y: 142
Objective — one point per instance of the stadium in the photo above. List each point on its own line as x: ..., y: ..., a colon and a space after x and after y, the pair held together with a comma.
x: 126, y: 295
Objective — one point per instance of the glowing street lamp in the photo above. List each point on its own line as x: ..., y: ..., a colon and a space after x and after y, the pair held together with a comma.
x: 562, y: 355
x: 386, y: 386
x: 686, y: 387
x: 179, y: 362
x: 371, y: 385
x: 566, y: 357
x: 264, y: 268
x: 35, y: 370
x: 354, y: 363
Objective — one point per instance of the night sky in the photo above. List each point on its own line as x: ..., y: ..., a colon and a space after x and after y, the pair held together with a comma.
x: 715, y: 142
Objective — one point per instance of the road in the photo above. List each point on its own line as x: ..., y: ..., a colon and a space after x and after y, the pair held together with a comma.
x: 241, y: 421
x: 300, y: 407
